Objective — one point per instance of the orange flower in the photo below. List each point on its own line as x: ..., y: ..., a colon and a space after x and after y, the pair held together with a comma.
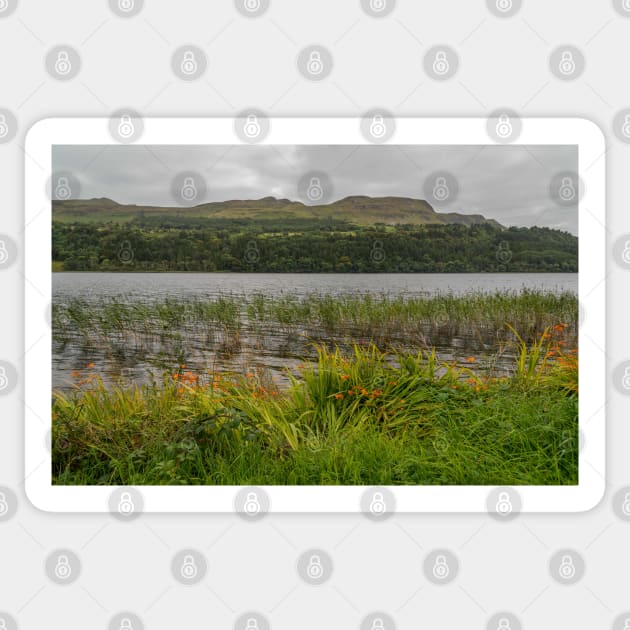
x: 75, y: 373
x: 470, y: 360
x: 345, y: 377
x: 339, y: 396
x: 249, y: 375
x: 91, y: 365
x: 364, y: 392
x: 175, y: 376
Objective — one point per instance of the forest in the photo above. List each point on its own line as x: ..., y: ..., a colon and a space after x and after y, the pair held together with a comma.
x: 307, y: 245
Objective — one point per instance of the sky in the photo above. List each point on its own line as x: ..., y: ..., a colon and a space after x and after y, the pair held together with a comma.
x: 508, y: 183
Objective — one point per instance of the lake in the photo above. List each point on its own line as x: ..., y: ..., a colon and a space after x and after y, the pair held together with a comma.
x: 146, y: 347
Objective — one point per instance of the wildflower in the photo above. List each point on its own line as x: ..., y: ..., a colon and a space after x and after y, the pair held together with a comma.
x: 470, y: 360
x: 339, y: 396
x: 249, y: 375
x: 364, y: 392
x: 91, y: 365
x: 75, y: 373
x: 175, y: 376
x: 345, y: 377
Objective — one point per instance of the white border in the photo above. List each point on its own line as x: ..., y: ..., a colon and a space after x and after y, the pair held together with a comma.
x: 445, y: 131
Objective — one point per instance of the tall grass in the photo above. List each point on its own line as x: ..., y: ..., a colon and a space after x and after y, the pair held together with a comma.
x: 364, y: 417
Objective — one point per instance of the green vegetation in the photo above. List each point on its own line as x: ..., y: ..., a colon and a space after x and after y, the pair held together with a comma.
x: 172, y: 243
x: 380, y: 318
x: 362, y: 417
x: 357, y: 209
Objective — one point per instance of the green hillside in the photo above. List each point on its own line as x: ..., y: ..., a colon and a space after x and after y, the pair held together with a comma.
x: 361, y: 210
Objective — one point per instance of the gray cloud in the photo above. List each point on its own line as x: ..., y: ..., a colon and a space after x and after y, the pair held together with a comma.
x: 507, y: 183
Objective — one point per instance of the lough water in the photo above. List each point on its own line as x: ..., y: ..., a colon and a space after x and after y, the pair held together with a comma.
x: 128, y: 358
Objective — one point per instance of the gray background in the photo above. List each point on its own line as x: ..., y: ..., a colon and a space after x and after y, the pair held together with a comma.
x: 378, y: 62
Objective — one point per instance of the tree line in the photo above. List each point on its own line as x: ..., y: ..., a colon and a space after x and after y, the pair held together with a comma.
x: 308, y: 245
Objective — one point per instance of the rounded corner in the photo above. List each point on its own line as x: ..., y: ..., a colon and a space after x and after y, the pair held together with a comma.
x: 34, y: 497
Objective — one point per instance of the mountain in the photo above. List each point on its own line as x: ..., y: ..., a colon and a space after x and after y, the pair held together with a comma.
x: 359, y: 209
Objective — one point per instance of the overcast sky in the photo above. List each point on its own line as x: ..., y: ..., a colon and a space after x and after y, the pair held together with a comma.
x: 508, y: 183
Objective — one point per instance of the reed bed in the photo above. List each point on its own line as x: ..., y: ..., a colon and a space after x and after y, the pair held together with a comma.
x: 375, y: 316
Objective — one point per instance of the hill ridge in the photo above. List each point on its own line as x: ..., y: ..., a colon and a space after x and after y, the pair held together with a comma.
x: 359, y: 209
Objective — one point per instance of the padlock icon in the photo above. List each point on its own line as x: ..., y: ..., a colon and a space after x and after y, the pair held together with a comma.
x: 126, y: 5
x: 4, y: 506
x: 441, y: 64
x: 626, y: 5
x: 626, y: 623
x: 504, y: 126
x: 125, y: 505
x: 62, y: 189
x: 567, y: 568
x: 378, y: 5
x: 625, y: 129
x: 377, y: 127
x: 4, y: 5
x: 63, y: 570
x: 625, y: 506
x: 4, y: 254
x: 252, y: 126
x: 252, y: 5
x: 625, y: 255
x: 567, y: 189
x: 504, y: 624
x: 251, y: 624
x: 4, y: 128
x: 567, y: 63
x: 504, y: 505
x: 315, y: 192
x: 377, y: 504
x: 63, y: 65
x: 126, y: 127
x: 441, y: 191
x: 504, y: 5
x: 378, y: 624
x: 3, y: 623
x: 189, y: 568
x: 189, y: 189
x: 441, y: 569
x: 4, y: 379
x: 315, y: 64
x: 315, y: 570
x: 189, y: 63
x: 626, y: 378
x: 125, y: 624
x: 252, y: 504
x: 125, y: 252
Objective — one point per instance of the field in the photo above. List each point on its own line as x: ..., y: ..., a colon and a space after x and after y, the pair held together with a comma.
x: 372, y: 401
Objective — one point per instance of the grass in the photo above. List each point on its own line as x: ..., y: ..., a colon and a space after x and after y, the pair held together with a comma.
x: 364, y: 417
x: 381, y: 318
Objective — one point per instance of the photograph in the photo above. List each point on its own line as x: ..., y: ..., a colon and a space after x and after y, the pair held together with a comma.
x: 312, y: 315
